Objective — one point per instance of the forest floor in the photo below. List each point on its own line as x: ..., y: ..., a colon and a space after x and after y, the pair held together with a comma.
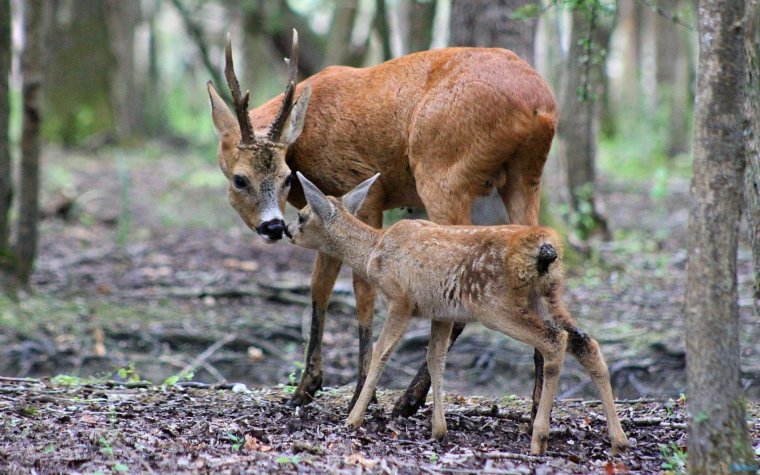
x: 145, y: 274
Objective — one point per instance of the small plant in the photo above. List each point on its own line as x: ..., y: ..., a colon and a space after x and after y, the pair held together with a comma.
x: 174, y: 379
x: 675, y: 459
x: 237, y: 442
x: 290, y: 388
x: 284, y: 460
x: 128, y: 373
x: 120, y: 467
x: 105, y: 446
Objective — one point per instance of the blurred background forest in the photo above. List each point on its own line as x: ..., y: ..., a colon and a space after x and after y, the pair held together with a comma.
x: 142, y: 264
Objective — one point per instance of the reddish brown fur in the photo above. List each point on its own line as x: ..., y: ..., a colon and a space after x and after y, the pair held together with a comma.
x: 442, y: 127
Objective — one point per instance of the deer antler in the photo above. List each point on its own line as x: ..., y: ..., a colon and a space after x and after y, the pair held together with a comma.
x: 241, y: 104
x: 275, y: 131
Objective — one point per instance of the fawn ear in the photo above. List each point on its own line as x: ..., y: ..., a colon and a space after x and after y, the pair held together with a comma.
x: 354, y: 199
x: 316, y: 199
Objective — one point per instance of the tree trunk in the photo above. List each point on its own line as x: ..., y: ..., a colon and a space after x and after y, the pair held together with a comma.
x: 672, y: 63
x: 122, y: 20
x: 383, y: 29
x: 577, y: 128
x: 752, y: 130
x: 718, y: 437
x: 6, y: 184
x: 339, y: 41
x: 488, y: 23
x: 36, y: 22
x: 421, y: 15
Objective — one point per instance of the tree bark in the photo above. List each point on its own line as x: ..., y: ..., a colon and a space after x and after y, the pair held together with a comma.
x: 339, y: 49
x: 578, y: 121
x: 6, y: 184
x: 122, y: 20
x: 488, y: 23
x: 752, y: 134
x: 421, y: 15
x: 383, y: 29
x: 33, y: 59
x: 718, y: 437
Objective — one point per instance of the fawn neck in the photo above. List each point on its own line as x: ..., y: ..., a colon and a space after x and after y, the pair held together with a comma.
x: 351, y: 241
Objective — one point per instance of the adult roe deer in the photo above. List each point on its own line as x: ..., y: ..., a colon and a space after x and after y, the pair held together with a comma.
x: 443, y: 127
x: 509, y: 278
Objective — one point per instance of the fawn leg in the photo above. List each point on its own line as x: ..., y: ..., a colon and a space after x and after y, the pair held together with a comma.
x: 436, y: 361
x: 323, y: 278
x: 393, y: 330
x: 414, y: 396
x: 365, y: 310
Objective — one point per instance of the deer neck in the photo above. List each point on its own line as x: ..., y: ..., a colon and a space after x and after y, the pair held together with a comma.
x: 352, y: 241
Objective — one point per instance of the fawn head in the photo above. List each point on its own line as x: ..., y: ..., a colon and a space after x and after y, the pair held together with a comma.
x: 312, y: 227
x: 254, y: 161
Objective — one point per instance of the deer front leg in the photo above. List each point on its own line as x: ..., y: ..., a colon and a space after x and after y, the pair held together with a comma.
x: 436, y: 361
x: 323, y: 278
x: 393, y: 329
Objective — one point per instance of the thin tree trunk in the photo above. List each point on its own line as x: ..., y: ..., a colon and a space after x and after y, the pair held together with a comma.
x: 383, y: 30
x: 122, y: 20
x: 718, y: 437
x: 752, y: 133
x: 577, y: 128
x: 36, y: 22
x: 6, y: 184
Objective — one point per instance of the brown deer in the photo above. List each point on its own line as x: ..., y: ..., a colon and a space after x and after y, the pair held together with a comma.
x: 509, y: 278
x: 443, y: 127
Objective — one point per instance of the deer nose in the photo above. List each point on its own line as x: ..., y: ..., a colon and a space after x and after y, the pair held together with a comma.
x: 272, y: 229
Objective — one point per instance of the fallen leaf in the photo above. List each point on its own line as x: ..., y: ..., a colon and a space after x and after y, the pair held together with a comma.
x: 358, y: 459
x: 253, y: 444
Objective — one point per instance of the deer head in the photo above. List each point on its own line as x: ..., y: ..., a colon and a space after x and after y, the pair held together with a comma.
x: 312, y: 229
x: 254, y: 161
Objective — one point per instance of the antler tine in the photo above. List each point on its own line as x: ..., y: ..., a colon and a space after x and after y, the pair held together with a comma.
x: 275, y: 131
x: 241, y: 104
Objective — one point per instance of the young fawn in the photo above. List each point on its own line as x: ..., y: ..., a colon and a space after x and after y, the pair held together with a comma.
x: 509, y: 278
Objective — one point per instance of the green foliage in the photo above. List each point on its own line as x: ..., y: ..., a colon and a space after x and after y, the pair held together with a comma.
x: 237, y: 442
x: 581, y: 219
x: 182, y: 376
x: 674, y: 459
x: 284, y: 460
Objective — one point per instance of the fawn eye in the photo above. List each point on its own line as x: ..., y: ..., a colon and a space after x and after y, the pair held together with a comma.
x: 240, y: 182
x: 301, y: 219
x: 288, y: 181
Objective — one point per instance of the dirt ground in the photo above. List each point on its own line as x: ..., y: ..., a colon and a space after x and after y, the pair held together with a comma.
x: 146, y: 274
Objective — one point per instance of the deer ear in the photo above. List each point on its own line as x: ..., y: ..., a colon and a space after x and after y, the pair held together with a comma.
x: 225, y: 123
x: 294, y: 127
x: 354, y: 199
x: 316, y: 199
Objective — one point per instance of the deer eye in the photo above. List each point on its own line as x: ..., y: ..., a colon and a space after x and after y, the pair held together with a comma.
x: 239, y: 182
x: 301, y: 219
x: 288, y: 181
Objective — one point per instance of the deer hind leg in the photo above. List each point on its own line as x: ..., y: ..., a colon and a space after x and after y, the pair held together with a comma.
x: 436, y: 362
x: 521, y: 194
x: 323, y: 278
x: 393, y: 329
x: 586, y: 350
x: 441, y: 209
x: 365, y: 309
x: 551, y: 341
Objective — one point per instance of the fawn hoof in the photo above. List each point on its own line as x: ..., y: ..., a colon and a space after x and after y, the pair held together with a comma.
x: 539, y: 443
x: 619, y: 446
x: 353, y: 422
x: 440, y: 434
